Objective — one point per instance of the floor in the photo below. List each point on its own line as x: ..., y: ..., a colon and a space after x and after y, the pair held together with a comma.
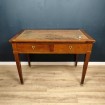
x: 52, y: 85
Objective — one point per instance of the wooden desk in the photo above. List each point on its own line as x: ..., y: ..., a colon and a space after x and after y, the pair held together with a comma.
x: 52, y: 42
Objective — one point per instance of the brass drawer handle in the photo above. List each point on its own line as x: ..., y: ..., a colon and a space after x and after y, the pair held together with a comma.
x: 33, y: 47
x: 70, y: 47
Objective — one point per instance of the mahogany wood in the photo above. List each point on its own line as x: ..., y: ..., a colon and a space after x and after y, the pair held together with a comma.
x: 28, y: 57
x: 76, y: 59
x: 52, y: 42
x: 87, y: 57
x: 16, y: 55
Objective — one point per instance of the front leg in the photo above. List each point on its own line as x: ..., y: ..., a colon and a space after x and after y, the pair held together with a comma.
x: 87, y: 57
x: 16, y: 56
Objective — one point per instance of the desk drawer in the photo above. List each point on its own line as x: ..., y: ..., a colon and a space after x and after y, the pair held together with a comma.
x: 32, y: 48
x: 70, y: 48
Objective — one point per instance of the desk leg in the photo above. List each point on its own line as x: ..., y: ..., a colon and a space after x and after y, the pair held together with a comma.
x: 76, y: 59
x: 28, y: 57
x: 87, y: 57
x: 16, y: 55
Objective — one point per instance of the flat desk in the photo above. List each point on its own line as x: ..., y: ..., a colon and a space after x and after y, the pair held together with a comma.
x: 52, y: 42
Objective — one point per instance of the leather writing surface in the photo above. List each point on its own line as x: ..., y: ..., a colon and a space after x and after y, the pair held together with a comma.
x: 51, y: 35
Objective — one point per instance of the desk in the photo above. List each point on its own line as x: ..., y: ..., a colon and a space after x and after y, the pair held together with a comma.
x: 52, y: 42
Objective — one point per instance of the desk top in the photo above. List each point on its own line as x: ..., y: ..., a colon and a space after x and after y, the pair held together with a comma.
x: 52, y: 36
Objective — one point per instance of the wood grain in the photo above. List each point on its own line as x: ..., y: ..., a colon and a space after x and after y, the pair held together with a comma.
x: 52, y: 42
x: 52, y: 85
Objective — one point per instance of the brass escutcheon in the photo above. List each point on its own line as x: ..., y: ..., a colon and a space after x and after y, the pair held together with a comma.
x: 70, y: 47
x: 33, y: 47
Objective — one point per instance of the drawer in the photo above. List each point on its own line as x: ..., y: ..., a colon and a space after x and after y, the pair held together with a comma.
x: 32, y: 48
x: 70, y: 48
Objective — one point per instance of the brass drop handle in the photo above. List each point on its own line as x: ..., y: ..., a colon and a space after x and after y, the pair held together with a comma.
x: 70, y: 47
x: 33, y: 47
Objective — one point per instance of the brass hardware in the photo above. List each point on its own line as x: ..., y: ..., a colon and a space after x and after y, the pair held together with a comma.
x: 33, y: 47
x: 70, y: 47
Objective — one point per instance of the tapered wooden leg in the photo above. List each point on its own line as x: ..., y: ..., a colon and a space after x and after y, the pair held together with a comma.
x: 76, y: 59
x: 87, y: 57
x: 28, y: 57
x: 16, y: 55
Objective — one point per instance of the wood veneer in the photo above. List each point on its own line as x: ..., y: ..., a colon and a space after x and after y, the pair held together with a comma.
x: 52, y: 42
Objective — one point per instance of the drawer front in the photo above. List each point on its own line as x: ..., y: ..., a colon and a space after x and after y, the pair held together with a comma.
x: 53, y: 48
x: 70, y: 48
x: 32, y: 48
